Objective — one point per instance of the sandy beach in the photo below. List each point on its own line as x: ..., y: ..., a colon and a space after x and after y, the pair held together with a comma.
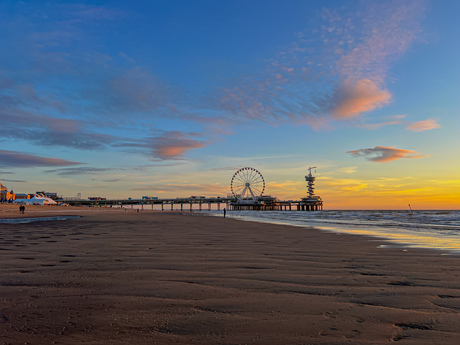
x: 122, y: 277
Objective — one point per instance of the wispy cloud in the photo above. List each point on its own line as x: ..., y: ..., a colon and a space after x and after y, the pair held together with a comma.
x: 234, y: 168
x: 383, y: 154
x: 134, y: 91
x: 286, y: 187
x: 78, y: 171
x: 348, y: 170
x: 345, y: 185
x: 90, y: 12
x: 50, y: 131
x: 163, y: 145
x: 393, y: 120
x: 186, y: 188
x: 425, y: 125
x: 15, y: 181
x: 388, y: 29
x: 23, y: 160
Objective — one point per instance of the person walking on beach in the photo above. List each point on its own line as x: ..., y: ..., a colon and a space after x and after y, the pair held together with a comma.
x: 225, y: 212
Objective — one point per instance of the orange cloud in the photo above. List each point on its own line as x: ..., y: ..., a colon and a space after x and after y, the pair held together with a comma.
x: 423, y: 125
x: 354, y: 98
x: 383, y: 154
x: 174, y: 145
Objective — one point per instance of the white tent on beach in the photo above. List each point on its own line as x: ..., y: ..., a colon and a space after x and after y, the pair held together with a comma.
x: 36, y: 200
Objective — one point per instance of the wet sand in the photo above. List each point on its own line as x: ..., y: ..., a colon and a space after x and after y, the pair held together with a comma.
x: 153, y: 277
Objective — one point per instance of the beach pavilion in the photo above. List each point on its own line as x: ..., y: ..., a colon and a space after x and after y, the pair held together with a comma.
x: 36, y: 200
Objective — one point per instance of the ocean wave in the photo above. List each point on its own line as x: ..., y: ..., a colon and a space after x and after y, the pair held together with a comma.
x: 38, y: 219
x: 425, y: 229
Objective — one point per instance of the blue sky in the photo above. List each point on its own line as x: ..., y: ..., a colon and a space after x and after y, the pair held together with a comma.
x: 170, y: 98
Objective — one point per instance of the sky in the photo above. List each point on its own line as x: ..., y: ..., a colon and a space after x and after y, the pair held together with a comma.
x: 140, y: 98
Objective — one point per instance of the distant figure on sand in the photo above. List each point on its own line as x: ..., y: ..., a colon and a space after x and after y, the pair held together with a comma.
x: 22, y: 208
x: 225, y: 212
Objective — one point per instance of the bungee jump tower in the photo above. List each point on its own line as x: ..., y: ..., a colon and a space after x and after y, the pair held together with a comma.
x: 311, y: 202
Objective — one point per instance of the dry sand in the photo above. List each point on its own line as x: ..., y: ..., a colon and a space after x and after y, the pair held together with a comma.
x: 116, y: 277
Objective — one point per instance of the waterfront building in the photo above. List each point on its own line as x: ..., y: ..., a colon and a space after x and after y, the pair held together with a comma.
x: 5, y: 195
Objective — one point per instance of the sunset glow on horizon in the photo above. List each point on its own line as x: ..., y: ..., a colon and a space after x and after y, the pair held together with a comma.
x: 125, y: 99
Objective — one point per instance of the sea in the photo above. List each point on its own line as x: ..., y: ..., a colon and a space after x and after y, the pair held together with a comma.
x: 32, y: 220
x: 418, y: 229
x: 438, y: 230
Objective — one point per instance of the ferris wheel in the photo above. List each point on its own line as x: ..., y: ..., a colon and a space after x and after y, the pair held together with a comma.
x: 247, y: 183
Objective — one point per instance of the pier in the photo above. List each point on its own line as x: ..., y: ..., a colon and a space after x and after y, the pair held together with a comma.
x: 247, y: 186
x: 205, y: 204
